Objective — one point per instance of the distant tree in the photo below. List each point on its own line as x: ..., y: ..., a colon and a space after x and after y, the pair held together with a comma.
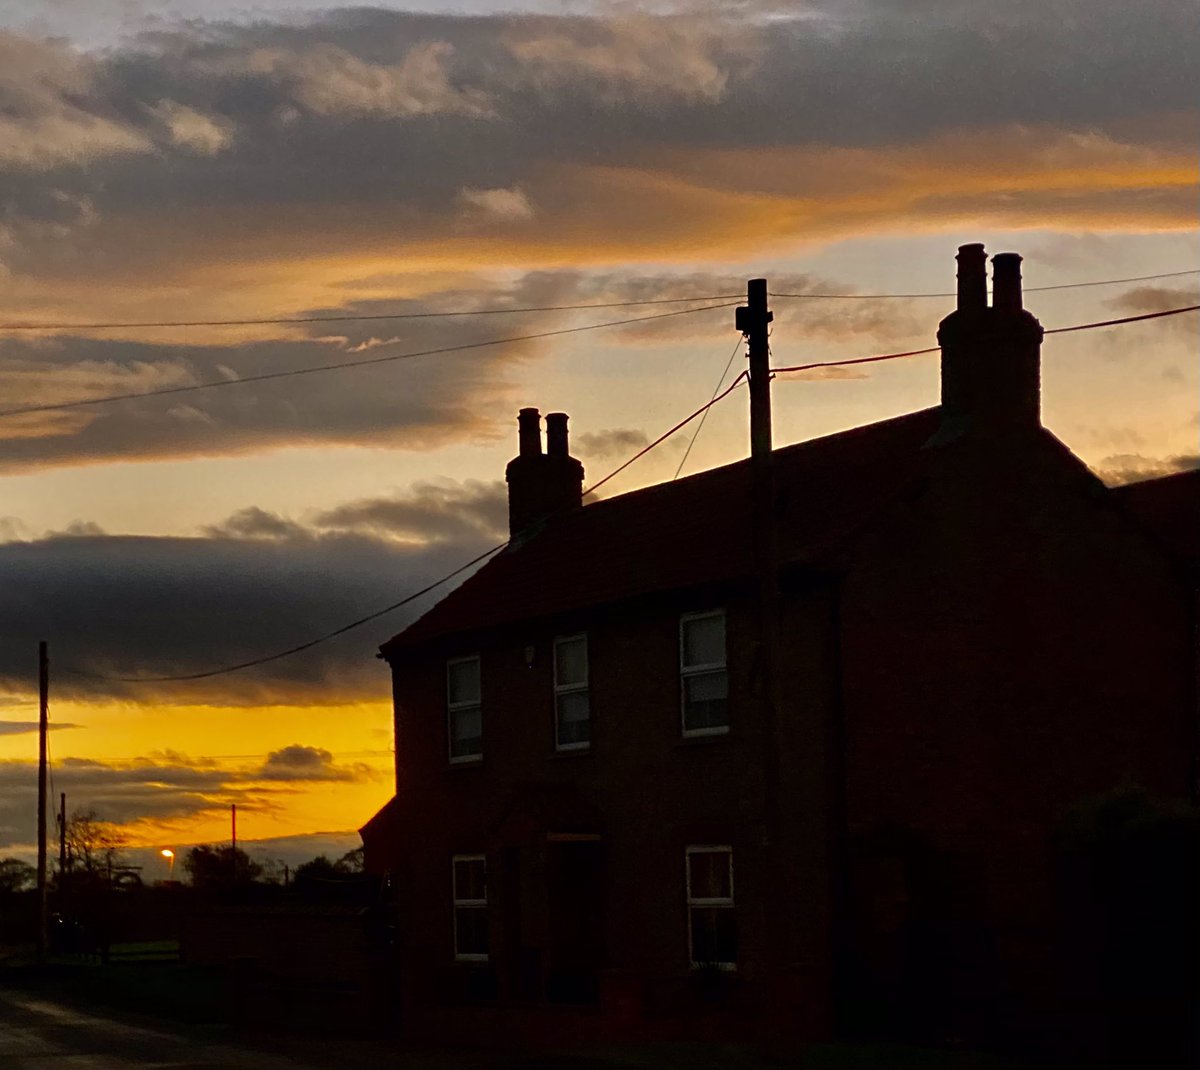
x: 272, y: 870
x: 93, y: 844
x: 316, y: 870
x: 211, y: 867
x: 322, y: 869
x: 16, y: 876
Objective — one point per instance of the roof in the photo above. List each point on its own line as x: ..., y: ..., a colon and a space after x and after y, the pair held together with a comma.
x: 1170, y: 508
x: 686, y: 533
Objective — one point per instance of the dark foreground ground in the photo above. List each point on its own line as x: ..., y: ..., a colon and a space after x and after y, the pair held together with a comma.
x: 40, y: 1031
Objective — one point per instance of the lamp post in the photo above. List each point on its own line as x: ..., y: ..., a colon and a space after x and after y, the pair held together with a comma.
x: 169, y: 855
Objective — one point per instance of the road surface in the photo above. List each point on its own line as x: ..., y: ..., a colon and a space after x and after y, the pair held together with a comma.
x: 38, y: 1034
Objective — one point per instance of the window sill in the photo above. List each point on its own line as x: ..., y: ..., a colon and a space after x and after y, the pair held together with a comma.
x: 701, y: 739
x: 569, y: 752
x: 465, y: 763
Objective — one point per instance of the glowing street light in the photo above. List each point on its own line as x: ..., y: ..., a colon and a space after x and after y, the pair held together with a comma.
x: 169, y: 855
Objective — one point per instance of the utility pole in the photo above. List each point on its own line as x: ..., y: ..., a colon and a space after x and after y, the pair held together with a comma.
x: 233, y: 861
x: 43, y: 728
x: 62, y: 838
x: 753, y: 319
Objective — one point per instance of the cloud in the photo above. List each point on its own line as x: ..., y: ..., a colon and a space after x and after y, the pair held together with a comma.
x: 500, y: 205
x: 53, y: 113
x: 290, y: 166
x: 255, y: 523
x: 430, y: 512
x: 305, y: 764
x: 632, y: 60
x: 328, y: 80
x: 20, y: 728
x: 78, y: 529
x: 120, y: 606
x: 416, y: 404
x: 609, y: 444
x: 1159, y: 299
x: 13, y: 529
x: 194, y: 131
x: 1133, y: 467
x: 633, y: 135
x: 169, y: 788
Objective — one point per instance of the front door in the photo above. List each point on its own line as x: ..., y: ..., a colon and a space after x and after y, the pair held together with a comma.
x: 575, y: 886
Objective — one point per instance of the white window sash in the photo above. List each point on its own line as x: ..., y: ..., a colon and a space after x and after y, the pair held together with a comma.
x: 687, y: 671
x: 466, y: 904
x: 707, y: 902
x: 690, y: 618
x: 459, y: 707
x: 571, y: 689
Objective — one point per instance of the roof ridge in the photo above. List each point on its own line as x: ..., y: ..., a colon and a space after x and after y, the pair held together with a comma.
x: 1154, y: 481
x: 834, y: 437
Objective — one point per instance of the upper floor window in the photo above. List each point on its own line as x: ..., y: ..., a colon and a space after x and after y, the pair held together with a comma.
x: 463, y: 709
x: 704, y: 678
x: 712, y: 934
x: 469, y: 892
x: 572, y: 710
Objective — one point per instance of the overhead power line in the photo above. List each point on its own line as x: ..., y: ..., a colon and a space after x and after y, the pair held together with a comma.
x: 308, y: 645
x: 934, y: 349
x: 267, y: 658
x: 367, y: 362
x: 703, y: 419
x: 1027, y: 289
x: 374, y: 317
x: 666, y: 435
x: 356, y: 317
x: 407, y: 599
x: 1126, y: 319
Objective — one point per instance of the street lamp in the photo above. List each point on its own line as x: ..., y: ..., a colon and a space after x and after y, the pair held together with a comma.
x: 169, y: 855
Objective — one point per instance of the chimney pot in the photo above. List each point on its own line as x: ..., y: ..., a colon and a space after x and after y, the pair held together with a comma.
x: 529, y: 432
x: 1006, y: 282
x: 972, y: 277
x: 556, y: 434
x: 541, y: 485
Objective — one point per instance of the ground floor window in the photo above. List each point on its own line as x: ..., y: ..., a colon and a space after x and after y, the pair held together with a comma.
x: 712, y: 929
x: 469, y: 883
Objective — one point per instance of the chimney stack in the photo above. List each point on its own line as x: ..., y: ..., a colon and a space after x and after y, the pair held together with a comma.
x: 541, y: 485
x: 529, y: 433
x: 991, y: 357
x: 556, y: 434
x: 1006, y: 282
x: 972, y: 278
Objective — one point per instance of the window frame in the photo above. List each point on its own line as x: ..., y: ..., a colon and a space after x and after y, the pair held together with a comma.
x: 707, y: 902
x: 572, y: 689
x: 686, y: 671
x: 457, y: 707
x: 467, y: 904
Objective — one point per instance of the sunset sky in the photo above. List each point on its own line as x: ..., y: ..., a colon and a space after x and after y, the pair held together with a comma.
x: 203, y: 160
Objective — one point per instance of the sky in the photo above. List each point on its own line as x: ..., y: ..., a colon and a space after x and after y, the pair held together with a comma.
x: 196, y: 160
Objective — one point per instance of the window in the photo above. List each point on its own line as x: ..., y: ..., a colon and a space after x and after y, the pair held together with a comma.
x: 712, y: 934
x: 703, y: 677
x: 470, y: 908
x: 572, y: 712
x: 464, y: 713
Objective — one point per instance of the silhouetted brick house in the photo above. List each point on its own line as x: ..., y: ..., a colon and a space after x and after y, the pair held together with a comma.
x: 596, y: 806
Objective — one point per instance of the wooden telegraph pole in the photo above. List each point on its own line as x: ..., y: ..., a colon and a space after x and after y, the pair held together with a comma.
x: 753, y: 319
x: 62, y: 840
x: 43, y: 728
